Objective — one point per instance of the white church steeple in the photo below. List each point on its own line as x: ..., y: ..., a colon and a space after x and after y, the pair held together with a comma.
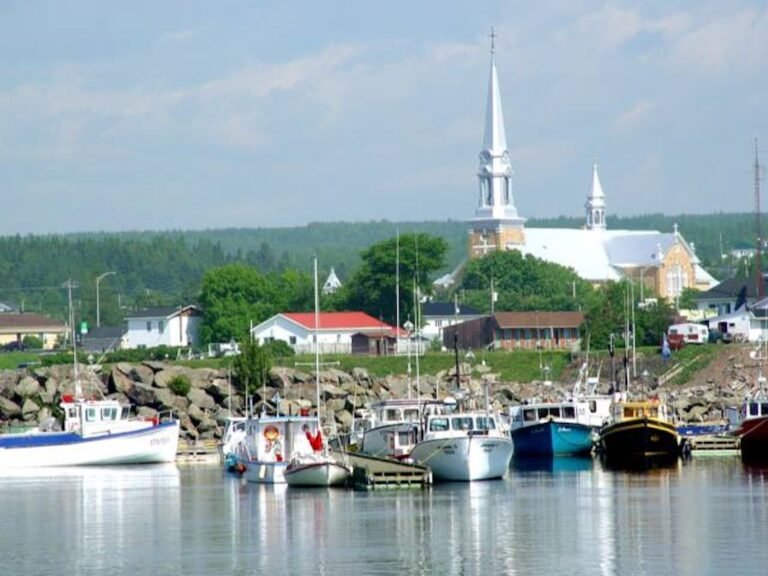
x: 495, y: 171
x: 595, y: 204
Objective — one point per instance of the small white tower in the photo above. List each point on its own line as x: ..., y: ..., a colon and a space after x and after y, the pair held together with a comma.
x: 595, y: 204
x: 332, y: 283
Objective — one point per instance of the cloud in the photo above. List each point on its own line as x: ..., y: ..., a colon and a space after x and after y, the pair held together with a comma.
x: 724, y: 44
x: 633, y: 117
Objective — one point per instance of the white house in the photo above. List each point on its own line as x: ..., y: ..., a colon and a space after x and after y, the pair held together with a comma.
x: 438, y: 315
x: 337, y: 333
x: 167, y: 326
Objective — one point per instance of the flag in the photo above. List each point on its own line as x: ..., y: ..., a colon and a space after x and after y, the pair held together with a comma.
x: 741, y: 300
x: 665, y: 351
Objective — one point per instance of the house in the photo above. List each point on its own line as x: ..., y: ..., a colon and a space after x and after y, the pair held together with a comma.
x: 724, y: 298
x: 15, y: 327
x: 438, y: 315
x: 518, y: 330
x: 164, y: 326
x: 338, y: 332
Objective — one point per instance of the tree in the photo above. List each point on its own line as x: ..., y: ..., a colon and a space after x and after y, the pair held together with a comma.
x: 232, y: 297
x: 373, y: 288
x: 522, y: 282
x: 251, y: 367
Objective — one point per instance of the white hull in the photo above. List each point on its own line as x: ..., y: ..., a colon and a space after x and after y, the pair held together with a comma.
x: 326, y: 472
x: 265, y: 472
x: 152, y: 444
x: 465, y: 458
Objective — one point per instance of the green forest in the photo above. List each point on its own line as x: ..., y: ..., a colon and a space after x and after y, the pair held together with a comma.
x: 168, y: 268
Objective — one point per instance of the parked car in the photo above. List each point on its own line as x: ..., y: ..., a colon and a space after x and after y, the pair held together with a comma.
x: 14, y: 346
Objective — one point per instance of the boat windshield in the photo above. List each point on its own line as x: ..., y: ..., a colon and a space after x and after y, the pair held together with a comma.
x: 462, y: 423
x: 438, y: 424
x: 486, y: 423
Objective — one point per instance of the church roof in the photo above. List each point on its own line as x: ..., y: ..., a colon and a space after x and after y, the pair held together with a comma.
x: 598, y: 255
x: 596, y: 192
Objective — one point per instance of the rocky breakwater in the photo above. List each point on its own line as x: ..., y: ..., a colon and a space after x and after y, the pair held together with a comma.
x: 30, y: 396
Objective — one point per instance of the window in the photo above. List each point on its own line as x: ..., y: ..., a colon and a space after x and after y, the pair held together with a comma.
x: 411, y: 414
x: 392, y: 415
x: 90, y: 414
x: 569, y: 412
x: 149, y: 325
x: 485, y: 423
x: 160, y: 326
x: 462, y: 423
x: 438, y: 425
x: 292, y: 339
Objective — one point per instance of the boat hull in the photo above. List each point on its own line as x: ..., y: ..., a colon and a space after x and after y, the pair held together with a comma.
x: 326, y: 473
x: 465, y: 458
x: 753, y: 435
x: 553, y: 438
x: 638, y: 440
x: 147, y: 445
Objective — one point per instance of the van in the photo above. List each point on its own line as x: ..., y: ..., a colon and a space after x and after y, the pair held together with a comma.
x: 690, y: 332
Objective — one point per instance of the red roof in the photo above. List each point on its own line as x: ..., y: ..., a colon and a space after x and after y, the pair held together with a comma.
x: 338, y: 321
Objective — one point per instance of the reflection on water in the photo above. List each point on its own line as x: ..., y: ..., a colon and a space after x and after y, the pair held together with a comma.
x: 705, y: 516
x: 552, y: 463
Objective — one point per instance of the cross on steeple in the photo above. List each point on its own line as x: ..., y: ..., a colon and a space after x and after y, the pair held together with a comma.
x: 492, y: 36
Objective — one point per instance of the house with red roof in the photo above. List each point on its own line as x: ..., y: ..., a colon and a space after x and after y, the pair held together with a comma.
x: 336, y: 333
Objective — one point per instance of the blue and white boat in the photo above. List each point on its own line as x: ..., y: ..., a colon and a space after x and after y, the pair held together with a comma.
x: 94, y: 433
x: 550, y: 429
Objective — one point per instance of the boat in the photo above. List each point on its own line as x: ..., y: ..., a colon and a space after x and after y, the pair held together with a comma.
x: 550, y: 429
x: 752, y: 429
x: 234, y: 433
x: 93, y: 432
x: 290, y: 448
x: 640, y: 432
x: 463, y: 446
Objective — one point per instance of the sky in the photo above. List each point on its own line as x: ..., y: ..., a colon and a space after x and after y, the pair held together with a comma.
x: 182, y: 115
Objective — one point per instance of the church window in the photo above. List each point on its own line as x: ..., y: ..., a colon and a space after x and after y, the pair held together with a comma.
x: 489, y: 193
x: 506, y: 190
x: 484, y: 192
x: 676, y: 280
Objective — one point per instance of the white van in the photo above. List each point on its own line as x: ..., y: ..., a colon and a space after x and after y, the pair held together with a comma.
x: 691, y: 333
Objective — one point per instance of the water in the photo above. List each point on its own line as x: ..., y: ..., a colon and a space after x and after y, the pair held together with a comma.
x: 708, y: 516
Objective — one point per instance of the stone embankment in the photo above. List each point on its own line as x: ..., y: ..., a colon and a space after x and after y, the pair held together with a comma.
x: 30, y: 396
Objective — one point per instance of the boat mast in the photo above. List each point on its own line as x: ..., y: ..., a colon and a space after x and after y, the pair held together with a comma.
x: 758, y: 231
x: 317, y: 346
x: 78, y: 388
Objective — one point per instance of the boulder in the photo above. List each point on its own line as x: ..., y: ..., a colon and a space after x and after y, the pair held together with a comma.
x: 9, y: 409
x: 121, y: 382
x: 169, y: 373
x: 142, y: 395
x: 29, y: 410
x: 27, y: 386
x: 166, y: 399
x: 143, y: 374
x: 200, y: 398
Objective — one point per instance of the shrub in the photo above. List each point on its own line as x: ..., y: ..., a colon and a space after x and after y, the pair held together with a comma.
x: 179, y: 385
x: 32, y: 343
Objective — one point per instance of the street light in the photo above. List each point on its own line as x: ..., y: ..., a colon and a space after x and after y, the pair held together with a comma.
x: 99, y: 278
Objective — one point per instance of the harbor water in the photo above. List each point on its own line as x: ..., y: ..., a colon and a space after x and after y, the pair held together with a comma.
x: 564, y: 516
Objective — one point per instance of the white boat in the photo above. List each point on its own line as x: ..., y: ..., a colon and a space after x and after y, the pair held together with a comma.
x: 234, y: 433
x: 271, y: 442
x: 392, y: 427
x: 464, y: 446
x: 94, y: 433
x: 318, y: 469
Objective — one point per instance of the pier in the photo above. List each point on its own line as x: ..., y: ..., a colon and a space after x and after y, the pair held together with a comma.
x: 373, y: 473
x: 197, y: 451
x: 714, y: 445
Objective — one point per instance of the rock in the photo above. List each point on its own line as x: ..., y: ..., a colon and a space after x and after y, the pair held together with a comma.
x: 141, y: 394
x: 29, y: 410
x: 143, y: 374
x: 166, y: 399
x: 121, y: 382
x: 200, y: 398
x: 9, y: 409
x: 27, y: 386
x: 360, y: 375
x: 169, y: 373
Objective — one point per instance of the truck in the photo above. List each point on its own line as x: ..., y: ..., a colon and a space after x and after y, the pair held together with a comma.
x: 690, y: 332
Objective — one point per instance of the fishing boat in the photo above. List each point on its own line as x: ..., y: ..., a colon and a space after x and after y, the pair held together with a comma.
x: 752, y: 429
x: 463, y: 446
x: 234, y: 433
x: 290, y: 449
x: 550, y: 429
x: 94, y: 433
x: 640, y: 432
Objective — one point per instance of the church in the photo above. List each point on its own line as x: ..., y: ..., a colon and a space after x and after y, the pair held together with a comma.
x: 663, y: 263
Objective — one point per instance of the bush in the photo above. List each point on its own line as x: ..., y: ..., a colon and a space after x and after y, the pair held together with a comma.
x: 32, y: 343
x: 179, y: 385
x: 280, y: 349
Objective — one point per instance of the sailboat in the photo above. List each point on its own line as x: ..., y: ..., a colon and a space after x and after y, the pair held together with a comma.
x: 94, y: 432
x: 319, y: 467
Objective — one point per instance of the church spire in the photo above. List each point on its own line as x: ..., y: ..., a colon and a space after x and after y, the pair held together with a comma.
x: 595, y: 204
x: 495, y: 171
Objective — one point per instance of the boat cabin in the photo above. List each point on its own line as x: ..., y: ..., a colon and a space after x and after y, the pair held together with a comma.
x: 93, y: 416
x: 639, y: 409
x: 461, y: 423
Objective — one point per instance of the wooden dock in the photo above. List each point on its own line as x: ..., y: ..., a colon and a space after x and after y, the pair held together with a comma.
x: 373, y: 473
x: 714, y: 445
